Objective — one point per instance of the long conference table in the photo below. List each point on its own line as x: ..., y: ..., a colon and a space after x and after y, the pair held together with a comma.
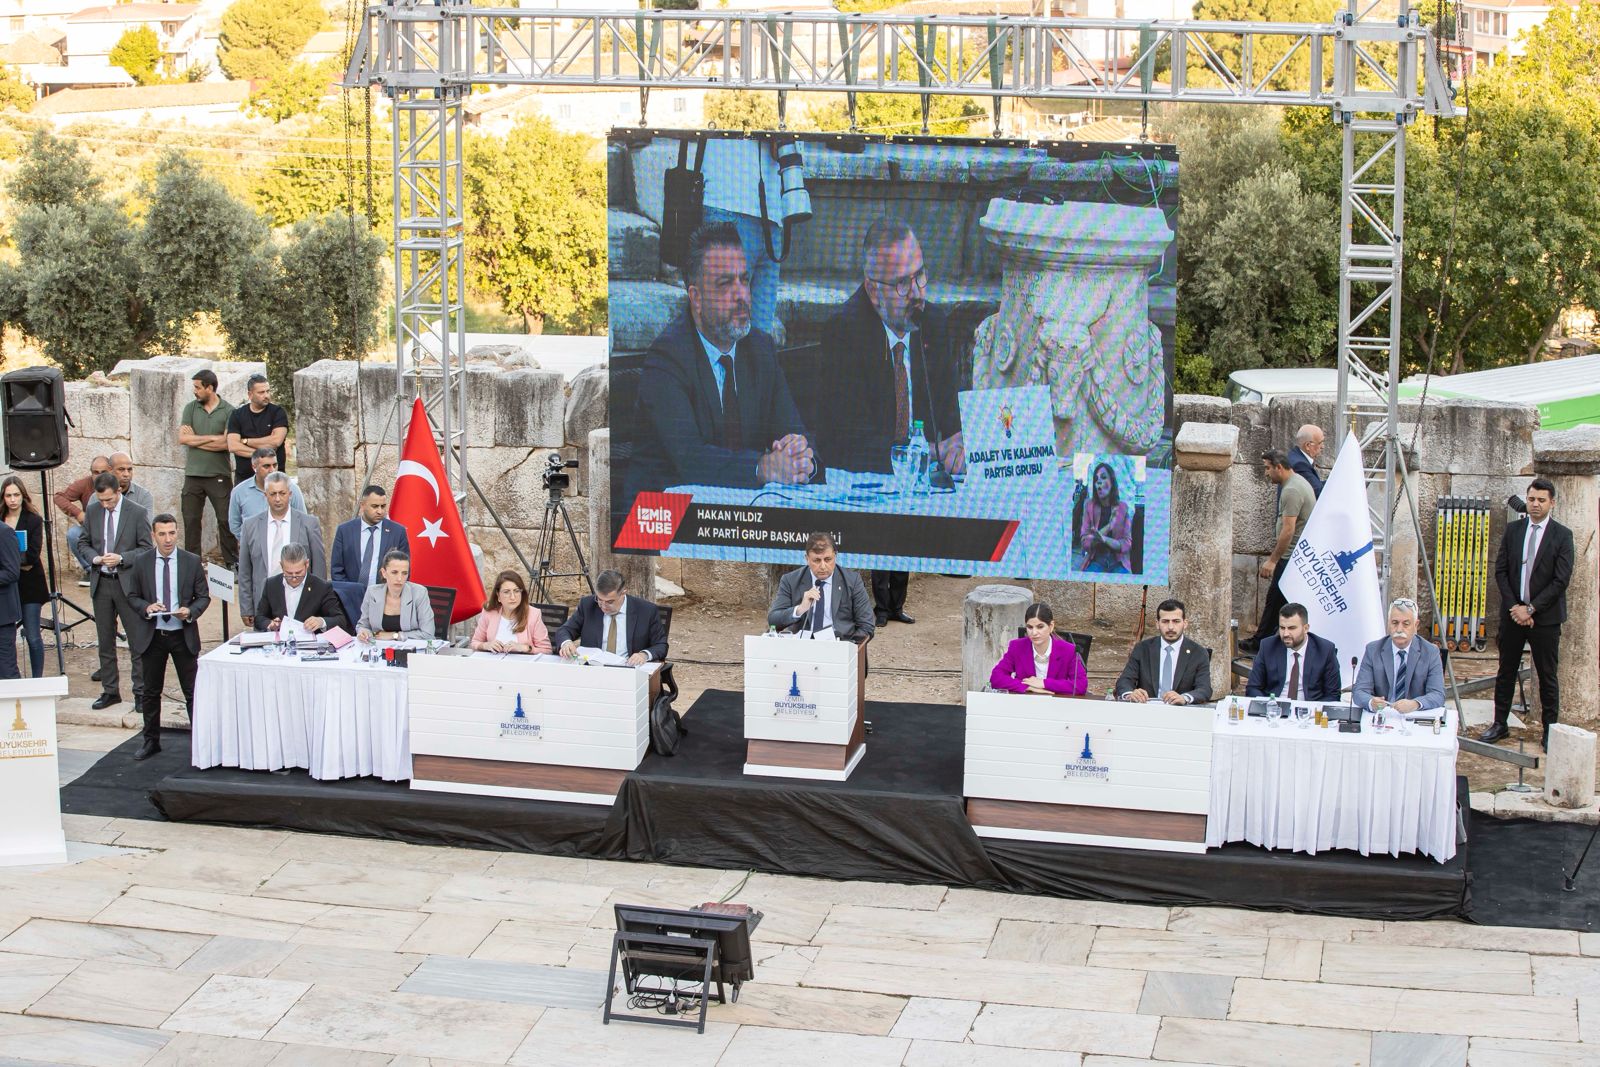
x: 1306, y: 789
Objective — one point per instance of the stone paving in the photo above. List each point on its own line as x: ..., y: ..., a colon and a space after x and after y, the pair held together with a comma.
x: 165, y: 944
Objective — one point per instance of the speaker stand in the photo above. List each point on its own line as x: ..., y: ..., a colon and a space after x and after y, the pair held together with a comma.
x: 58, y: 600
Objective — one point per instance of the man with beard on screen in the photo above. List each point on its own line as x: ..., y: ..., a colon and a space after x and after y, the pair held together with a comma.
x: 893, y: 349
x: 714, y: 407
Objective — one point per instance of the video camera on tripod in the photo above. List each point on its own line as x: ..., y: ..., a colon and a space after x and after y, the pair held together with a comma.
x: 555, y: 476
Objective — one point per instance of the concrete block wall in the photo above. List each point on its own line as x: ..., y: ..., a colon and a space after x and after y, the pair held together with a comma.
x: 518, y: 416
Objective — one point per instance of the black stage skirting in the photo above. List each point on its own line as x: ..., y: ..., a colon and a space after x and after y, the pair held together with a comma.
x: 898, y: 819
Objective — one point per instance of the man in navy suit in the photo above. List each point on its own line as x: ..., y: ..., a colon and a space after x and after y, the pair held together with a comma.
x: 1399, y: 671
x: 1296, y: 664
x: 359, y: 545
x: 615, y: 622
x: 714, y: 407
x: 1303, y: 456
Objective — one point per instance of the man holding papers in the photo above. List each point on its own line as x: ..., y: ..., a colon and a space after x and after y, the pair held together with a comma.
x: 823, y: 596
x: 1170, y: 667
x: 166, y: 588
x: 1399, y: 671
x: 613, y: 621
x: 295, y: 593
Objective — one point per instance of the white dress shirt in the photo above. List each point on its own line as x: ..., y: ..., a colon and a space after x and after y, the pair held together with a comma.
x: 291, y: 597
x: 1530, y: 549
x: 165, y: 593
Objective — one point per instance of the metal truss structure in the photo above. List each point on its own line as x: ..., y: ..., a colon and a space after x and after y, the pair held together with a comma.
x: 1375, y: 69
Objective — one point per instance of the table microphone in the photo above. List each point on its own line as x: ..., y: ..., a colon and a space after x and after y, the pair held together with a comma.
x: 938, y: 477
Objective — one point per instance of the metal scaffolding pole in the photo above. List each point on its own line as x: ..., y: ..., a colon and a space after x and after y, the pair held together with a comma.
x: 1375, y: 72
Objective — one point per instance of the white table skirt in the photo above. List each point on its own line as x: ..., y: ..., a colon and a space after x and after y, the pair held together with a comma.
x: 261, y: 711
x: 1315, y: 789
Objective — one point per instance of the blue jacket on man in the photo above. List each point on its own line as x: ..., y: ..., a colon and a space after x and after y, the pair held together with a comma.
x: 344, y: 561
x: 1424, y: 675
x: 1319, y: 671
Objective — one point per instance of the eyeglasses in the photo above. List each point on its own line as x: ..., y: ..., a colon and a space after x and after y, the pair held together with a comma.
x: 904, y: 286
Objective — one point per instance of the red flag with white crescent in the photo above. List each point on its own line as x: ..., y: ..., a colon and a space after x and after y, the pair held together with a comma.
x: 424, y: 505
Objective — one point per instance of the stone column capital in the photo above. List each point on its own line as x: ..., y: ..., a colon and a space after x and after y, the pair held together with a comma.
x: 1206, y: 446
x: 1574, y: 452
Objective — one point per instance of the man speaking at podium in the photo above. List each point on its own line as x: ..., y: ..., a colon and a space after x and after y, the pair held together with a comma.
x: 821, y: 595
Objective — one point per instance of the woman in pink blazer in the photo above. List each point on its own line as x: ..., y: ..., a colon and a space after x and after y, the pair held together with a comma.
x: 509, y: 623
x: 1040, y: 662
x: 1106, y: 534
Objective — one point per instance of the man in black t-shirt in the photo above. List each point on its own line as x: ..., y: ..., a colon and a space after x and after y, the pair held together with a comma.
x: 257, y: 424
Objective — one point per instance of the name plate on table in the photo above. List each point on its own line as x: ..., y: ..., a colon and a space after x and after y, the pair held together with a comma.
x: 1042, y: 768
x: 527, y: 726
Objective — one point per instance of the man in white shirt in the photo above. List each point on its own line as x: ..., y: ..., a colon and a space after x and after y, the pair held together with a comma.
x: 1171, y: 667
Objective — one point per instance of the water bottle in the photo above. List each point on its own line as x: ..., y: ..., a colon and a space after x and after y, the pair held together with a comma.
x: 920, y: 457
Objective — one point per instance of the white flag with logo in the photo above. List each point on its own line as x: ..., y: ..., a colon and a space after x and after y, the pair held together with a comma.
x: 1331, y: 569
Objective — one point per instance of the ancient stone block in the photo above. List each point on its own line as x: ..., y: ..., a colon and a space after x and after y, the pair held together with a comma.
x: 100, y: 411
x: 325, y: 404
x: 641, y: 310
x: 529, y: 409
x: 158, y: 391
x: 1569, y: 767
x: 376, y: 390
x: 330, y: 494
x: 991, y: 615
x: 633, y: 246
x: 588, y: 396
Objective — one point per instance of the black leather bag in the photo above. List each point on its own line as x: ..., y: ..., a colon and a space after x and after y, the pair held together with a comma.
x: 683, y: 203
x: 666, y: 725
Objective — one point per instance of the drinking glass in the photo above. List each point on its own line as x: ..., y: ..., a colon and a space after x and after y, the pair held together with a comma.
x: 900, y: 460
x: 1302, y: 715
x: 1380, y: 721
x: 1272, y: 713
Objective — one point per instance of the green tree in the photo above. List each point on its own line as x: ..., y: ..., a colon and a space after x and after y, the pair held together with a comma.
x: 53, y: 171
x: 331, y: 288
x: 138, y: 51
x: 13, y: 93
x: 80, y: 284
x: 297, y: 89
x: 1266, y: 52
x: 191, y: 246
x: 307, y: 179
x: 536, y: 223
x: 741, y: 109
x: 260, y: 37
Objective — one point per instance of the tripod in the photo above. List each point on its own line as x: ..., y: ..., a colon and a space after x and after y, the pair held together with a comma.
x: 57, y: 598
x: 555, y: 510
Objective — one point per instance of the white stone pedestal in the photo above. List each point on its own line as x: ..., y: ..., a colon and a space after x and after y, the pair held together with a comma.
x: 30, y: 791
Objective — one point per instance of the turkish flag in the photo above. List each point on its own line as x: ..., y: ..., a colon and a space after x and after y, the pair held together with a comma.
x: 424, y: 505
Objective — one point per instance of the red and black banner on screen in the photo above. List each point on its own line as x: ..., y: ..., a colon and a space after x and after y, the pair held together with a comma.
x: 659, y: 521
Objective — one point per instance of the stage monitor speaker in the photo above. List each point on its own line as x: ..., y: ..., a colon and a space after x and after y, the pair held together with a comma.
x: 33, y: 401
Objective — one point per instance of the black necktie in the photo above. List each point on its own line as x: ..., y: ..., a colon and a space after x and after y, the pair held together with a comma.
x: 732, y: 427
x: 816, y: 609
x: 166, y: 583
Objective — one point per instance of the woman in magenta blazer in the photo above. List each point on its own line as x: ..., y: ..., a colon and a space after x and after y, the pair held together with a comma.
x: 509, y: 623
x: 1040, y: 662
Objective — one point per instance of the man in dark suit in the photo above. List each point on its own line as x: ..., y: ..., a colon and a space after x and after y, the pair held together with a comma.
x: 1303, y: 456
x: 114, y: 530
x: 821, y: 595
x: 613, y: 621
x: 295, y: 593
x: 1296, y: 664
x: 1170, y: 667
x: 166, y: 587
x: 1400, y: 671
x: 360, y: 544
x: 1531, y: 571
x: 10, y: 603
x: 890, y: 351
x: 714, y: 407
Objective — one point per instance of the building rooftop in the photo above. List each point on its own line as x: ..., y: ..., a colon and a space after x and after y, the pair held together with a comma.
x: 184, y: 94
x: 31, y: 50
x: 145, y: 12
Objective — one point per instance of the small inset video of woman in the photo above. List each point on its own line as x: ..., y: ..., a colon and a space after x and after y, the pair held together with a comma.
x: 1107, y: 514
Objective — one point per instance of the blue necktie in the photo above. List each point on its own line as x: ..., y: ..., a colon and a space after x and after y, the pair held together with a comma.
x: 1401, y: 677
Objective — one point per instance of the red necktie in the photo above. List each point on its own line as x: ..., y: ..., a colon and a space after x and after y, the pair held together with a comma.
x: 902, y: 401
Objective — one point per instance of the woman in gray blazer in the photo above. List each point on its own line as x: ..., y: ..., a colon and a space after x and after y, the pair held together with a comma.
x: 396, y: 609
